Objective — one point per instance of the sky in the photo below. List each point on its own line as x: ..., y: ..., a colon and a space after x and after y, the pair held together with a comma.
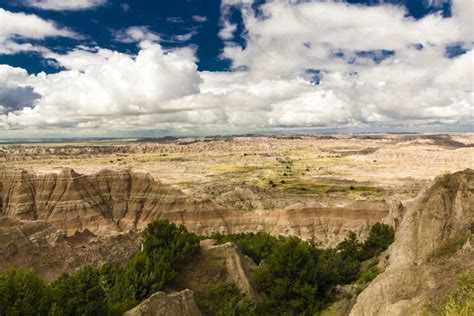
x: 104, y: 68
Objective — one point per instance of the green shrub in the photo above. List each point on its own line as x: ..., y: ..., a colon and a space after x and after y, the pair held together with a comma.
x: 350, y: 251
x: 369, y: 275
x: 257, y: 246
x: 380, y: 237
x: 23, y: 292
x: 79, y: 294
x: 166, y: 248
x: 224, y: 299
x: 461, y: 301
x: 297, y: 278
x: 448, y: 247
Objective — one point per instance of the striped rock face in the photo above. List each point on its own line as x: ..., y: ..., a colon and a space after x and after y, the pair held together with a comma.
x: 111, y: 202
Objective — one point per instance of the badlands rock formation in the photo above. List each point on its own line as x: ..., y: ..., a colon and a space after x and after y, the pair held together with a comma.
x: 37, y: 245
x: 212, y: 265
x: 111, y: 202
x: 218, y: 263
x: 425, y: 256
x: 162, y: 304
x: 102, y: 203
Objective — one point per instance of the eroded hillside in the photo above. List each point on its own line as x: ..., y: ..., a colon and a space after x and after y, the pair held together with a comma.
x: 432, y: 248
x: 110, y: 202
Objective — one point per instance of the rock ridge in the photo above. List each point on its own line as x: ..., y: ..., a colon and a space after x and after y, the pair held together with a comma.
x: 110, y: 202
x: 426, y: 258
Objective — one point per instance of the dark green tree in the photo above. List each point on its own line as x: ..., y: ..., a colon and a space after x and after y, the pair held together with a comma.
x: 294, y: 279
x: 379, y: 238
x: 23, y: 292
x: 224, y: 299
x: 350, y: 251
x: 79, y: 294
x: 257, y: 246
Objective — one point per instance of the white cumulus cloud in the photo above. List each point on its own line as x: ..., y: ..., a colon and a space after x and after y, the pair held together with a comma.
x: 15, y: 26
x: 103, y: 85
x: 305, y: 64
x: 65, y: 5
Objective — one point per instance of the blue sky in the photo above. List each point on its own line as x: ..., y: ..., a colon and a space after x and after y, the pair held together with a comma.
x: 168, y: 18
x: 233, y: 66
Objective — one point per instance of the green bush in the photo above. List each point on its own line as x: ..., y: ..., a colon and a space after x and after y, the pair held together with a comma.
x: 448, y: 247
x: 350, y: 251
x: 257, y: 246
x: 79, y: 294
x: 369, y: 275
x: 224, y: 299
x: 380, y: 237
x: 297, y: 278
x: 166, y: 248
x: 461, y: 301
x: 23, y: 292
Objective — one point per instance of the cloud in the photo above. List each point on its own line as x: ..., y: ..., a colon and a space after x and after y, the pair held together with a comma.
x: 103, y: 86
x: 175, y: 19
x: 64, y: 5
x: 365, y: 59
x: 17, y: 98
x: 316, y: 30
x: 227, y: 30
x: 125, y: 7
x: 304, y: 65
x: 437, y: 4
x: 199, y: 18
x: 184, y: 37
x: 14, y: 96
x: 18, y: 26
x: 134, y: 34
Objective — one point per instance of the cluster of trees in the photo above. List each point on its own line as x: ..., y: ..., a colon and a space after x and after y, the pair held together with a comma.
x: 109, y: 290
x: 298, y: 277
x: 294, y: 276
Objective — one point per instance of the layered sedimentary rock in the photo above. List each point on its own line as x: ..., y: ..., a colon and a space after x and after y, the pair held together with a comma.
x: 104, y: 202
x: 110, y: 202
x: 37, y: 245
x: 162, y: 304
x: 432, y: 246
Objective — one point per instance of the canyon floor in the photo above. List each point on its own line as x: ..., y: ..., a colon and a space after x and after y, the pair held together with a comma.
x: 66, y: 204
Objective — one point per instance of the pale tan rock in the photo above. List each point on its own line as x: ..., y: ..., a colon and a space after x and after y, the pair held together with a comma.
x: 218, y: 263
x: 162, y: 304
x: 414, y: 277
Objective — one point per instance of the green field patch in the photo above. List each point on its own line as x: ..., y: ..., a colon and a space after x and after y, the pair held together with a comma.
x: 317, y: 188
